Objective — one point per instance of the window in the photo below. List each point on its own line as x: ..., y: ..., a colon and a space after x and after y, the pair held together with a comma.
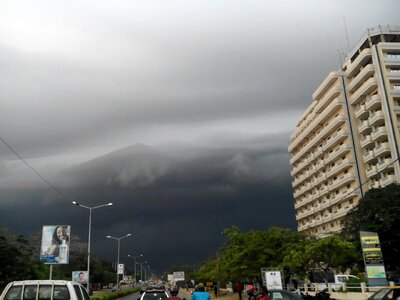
x: 85, y: 294
x: 393, y: 55
x: 396, y: 87
x: 14, y: 293
x: 44, y: 292
x: 30, y: 292
x: 78, y: 292
x: 61, y: 292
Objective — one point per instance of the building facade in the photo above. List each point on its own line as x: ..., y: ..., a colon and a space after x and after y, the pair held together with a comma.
x: 348, y: 139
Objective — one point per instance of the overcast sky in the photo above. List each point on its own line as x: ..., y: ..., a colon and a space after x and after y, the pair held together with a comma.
x: 208, y: 93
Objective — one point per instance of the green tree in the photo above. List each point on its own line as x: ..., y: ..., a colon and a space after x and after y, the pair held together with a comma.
x: 245, y: 253
x: 331, y: 252
x: 378, y: 211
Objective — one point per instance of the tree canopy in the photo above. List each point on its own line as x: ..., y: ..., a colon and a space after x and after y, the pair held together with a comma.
x: 378, y: 211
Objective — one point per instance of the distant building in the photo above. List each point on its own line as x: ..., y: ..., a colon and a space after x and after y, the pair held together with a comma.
x: 348, y: 139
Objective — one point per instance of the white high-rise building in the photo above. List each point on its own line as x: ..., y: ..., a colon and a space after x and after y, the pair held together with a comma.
x: 348, y: 139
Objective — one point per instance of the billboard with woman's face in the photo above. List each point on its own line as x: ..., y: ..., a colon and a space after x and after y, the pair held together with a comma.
x: 55, y: 244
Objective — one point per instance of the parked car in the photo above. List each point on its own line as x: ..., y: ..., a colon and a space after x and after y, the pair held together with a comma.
x: 388, y: 293
x: 283, y: 295
x: 44, y: 290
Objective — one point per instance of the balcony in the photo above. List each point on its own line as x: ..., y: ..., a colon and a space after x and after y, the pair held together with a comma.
x: 365, y: 89
x: 377, y: 118
x: 385, y: 164
x: 369, y: 156
x: 335, y: 139
x: 364, y: 127
x: 373, y: 102
x: 314, y: 124
x: 337, y: 121
x: 388, y: 179
x: 372, y: 171
x: 326, y: 100
x: 382, y: 149
x: 379, y: 134
x: 342, y: 180
x: 393, y: 75
x: 325, y: 85
x: 339, y: 167
x: 361, y: 111
x: 348, y: 195
x: 337, y: 153
x: 374, y: 184
x: 361, y: 59
x: 366, y: 141
x: 395, y: 92
x: 303, y: 202
x: 366, y: 72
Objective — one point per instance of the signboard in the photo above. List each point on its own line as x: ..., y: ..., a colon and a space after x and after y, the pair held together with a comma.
x: 179, y: 276
x: 376, y: 272
x: 373, y: 259
x: 80, y: 276
x: 55, y: 244
x: 120, y: 269
x: 273, y: 280
x: 170, y: 277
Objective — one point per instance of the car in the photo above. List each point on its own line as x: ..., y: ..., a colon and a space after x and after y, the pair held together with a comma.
x: 44, y: 290
x: 387, y: 293
x: 143, y: 287
x: 283, y: 295
x: 154, y: 294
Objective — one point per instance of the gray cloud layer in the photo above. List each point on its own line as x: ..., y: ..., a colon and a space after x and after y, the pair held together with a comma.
x: 80, y: 79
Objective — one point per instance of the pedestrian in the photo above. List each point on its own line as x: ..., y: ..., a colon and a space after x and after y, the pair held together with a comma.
x: 215, y: 290
x: 239, y: 289
x: 263, y: 293
x: 200, y: 294
x: 250, y: 292
x: 174, y: 293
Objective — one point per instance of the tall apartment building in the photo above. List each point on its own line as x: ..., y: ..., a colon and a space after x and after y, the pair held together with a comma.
x: 348, y: 139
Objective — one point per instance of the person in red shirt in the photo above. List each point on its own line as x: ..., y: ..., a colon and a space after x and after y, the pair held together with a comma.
x: 239, y: 289
x: 174, y: 293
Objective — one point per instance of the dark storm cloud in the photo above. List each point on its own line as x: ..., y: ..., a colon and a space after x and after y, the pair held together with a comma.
x: 171, y: 202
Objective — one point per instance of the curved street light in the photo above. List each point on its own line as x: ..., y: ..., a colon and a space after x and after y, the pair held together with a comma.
x: 119, y: 241
x: 90, y: 229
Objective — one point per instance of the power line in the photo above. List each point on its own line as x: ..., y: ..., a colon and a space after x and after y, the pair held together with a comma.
x: 36, y: 172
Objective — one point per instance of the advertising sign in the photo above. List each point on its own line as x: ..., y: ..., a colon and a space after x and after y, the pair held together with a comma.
x: 120, y: 269
x: 179, y: 276
x: 376, y: 272
x: 80, y: 277
x: 55, y: 244
x: 170, y: 277
x: 373, y: 259
x: 273, y: 280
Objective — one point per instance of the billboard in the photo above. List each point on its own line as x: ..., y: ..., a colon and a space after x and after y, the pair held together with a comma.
x: 273, y: 280
x: 55, y: 244
x: 80, y: 277
x: 121, y: 269
x: 179, y: 276
x: 373, y: 259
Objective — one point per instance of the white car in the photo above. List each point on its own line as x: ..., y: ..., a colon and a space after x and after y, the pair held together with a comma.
x: 44, y: 290
x: 154, y: 294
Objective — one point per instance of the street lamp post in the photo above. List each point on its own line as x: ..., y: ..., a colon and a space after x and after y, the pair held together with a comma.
x: 119, y: 241
x: 141, y: 269
x: 90, y: 229
x: 134, y: 257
